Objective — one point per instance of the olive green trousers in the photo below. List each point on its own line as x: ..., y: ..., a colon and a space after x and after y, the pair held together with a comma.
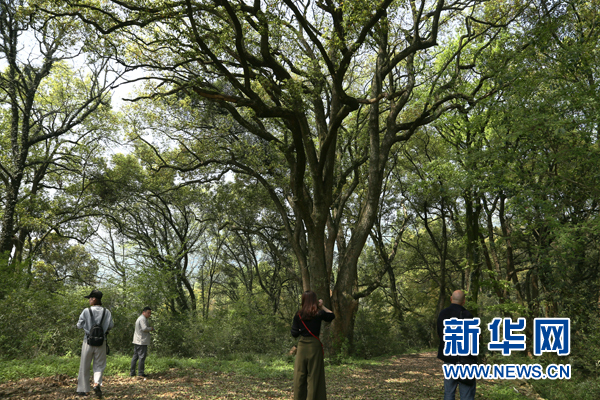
x: 309, y: 371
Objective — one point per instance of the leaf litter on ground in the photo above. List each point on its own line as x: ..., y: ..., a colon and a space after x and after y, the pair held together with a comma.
x: 412, y: 376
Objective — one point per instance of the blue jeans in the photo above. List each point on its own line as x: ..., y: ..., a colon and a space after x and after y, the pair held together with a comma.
x: 466, y: 392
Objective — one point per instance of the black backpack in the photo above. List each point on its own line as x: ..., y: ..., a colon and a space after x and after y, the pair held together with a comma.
x: 96, y: 335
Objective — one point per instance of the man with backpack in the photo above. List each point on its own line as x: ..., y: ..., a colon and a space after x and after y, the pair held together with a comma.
x: 95, y: 321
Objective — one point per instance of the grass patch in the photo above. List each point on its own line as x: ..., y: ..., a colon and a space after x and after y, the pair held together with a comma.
x: 259, y: 366
x: 580, y: 389
x: 255, y: 365
x: 248, y: 364
x: 504, y: 390
x: 39, y: 367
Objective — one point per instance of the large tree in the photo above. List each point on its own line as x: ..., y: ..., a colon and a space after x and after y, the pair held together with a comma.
x: 51, y: 119
x: 324, y: 89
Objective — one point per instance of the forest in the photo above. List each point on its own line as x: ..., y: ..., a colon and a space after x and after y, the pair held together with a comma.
x: 213, y: 159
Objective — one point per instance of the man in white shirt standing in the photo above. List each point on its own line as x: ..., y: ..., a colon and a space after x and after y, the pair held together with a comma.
x: 94, y: 315
x: 141, y: 340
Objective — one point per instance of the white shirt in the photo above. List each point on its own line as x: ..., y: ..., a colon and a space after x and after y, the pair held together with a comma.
x: 141, y: 336
x: 85, y: 321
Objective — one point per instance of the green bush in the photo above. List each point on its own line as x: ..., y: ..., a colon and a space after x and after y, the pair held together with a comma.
x: 377, y: 333
x: 246, y: 327
x: 34, y: 323
x: 242, y: 327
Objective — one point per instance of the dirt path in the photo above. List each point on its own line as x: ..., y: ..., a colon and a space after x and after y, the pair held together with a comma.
x: 416, y: 376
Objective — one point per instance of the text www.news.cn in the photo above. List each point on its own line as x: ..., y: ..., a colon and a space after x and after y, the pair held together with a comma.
x: 506, y: 371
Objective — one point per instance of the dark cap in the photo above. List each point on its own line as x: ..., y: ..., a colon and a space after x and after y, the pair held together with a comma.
x: 95, y: 293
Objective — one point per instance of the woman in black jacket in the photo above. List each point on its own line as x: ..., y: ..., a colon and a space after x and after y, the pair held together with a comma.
x: 309, y: 368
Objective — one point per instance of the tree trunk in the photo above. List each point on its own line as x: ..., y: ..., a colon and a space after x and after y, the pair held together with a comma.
x: 7, y: 232
x: 473, y: 257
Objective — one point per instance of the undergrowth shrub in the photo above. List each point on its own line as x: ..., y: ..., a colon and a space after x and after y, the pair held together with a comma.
x: 377, y: 332
x: 236, y: 328
x: 36, y: 323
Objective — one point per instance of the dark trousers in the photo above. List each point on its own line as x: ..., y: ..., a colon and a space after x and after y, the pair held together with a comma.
x: 309, y: 371
x: 139, y: 353
x: 467, y: 392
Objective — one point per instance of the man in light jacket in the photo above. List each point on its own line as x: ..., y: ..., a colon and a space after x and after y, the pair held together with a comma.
x: 141, y: 340
x: 95, y: 353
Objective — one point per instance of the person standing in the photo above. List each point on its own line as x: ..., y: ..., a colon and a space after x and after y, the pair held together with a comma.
x: 309, y: 367
x: 141, y: 340
x: 95, y: 314
x: 455, y: 310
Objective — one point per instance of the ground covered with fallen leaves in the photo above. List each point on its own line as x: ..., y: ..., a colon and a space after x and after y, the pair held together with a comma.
x: 414, y: 376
